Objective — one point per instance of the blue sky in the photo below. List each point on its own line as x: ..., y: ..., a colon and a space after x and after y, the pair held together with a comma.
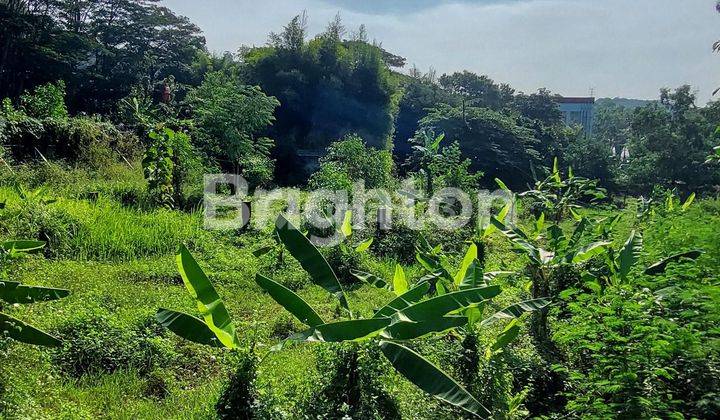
x: 627, y: 48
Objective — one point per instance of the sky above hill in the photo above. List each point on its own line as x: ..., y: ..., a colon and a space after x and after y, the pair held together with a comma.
x: 628, y: 48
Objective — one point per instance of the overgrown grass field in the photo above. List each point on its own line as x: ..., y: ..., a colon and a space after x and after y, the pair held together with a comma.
x: 117, y: 259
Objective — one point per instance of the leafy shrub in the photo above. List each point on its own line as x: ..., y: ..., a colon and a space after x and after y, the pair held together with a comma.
x: 343, y: 259
x: 229, y: 116
x: 92, y: 344
x: 79, y: 140
x: 632, y: 355
x: 239, y: 399
x: 350, y: 385
x: 349, y: 160
x: 46, y: 101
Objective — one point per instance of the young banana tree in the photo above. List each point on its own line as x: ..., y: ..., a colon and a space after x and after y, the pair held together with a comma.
x: 619, y: 263
x: 406, y: 317
x: 562, y: 250
x: 556, y: 196
x: 12, y: 293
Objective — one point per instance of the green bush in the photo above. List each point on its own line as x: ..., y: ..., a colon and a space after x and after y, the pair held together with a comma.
x: 92, y: 344
x: 46, y: 101
x: 349, y: 160
x: 350, y: 385
x: 641, y: 352
x: 239, y: 399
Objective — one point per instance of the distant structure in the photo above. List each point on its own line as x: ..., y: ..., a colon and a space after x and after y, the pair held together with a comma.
x: 578, y: 111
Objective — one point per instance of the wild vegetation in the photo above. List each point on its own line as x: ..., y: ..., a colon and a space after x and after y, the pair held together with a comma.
x: 593, y: 293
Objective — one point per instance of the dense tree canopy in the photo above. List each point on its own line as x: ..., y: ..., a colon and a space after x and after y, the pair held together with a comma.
x: 99, y: 48
x: 494, y: 142
x: 328, y: 87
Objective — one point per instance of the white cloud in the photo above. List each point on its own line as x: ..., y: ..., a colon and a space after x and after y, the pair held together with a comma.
x: 625, y: 48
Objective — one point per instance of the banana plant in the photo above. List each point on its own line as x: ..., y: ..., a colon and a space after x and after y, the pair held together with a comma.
x: 406, y: 317
x: 15, y: 293
x: 345, y: 230
x: 444, y: 277
x: 620, y: 262
x: 556, y: 196
x: 562, y: 250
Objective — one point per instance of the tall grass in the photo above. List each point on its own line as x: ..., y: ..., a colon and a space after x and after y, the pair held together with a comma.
x: 98, y: 230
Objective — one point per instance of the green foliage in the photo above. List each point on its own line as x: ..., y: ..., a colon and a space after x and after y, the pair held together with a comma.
x: 99, y: 49
x: 230, y: 117
x: 351, y: 384
x: 170, y: 165
x: 239, y: 399
x: 350, y: 160
x: 495, y: 144
x: 46, y: 101
x: 668, y: 144
x: 14, y: 293
x: 628, y: 357
x: 557, y: 197
x: 92, y: 344
x: 327, y: 87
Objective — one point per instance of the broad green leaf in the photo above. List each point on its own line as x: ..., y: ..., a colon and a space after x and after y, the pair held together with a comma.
x: 187, y: 327
x: 575, y: 215
x: 408, y: 330
x: 585, y: 253
x: 470, y: 256
x: 629, y: 254
x: 514, y: 311
x: 364, y: 245
x: 556, y: 171
x: 492, y: 275
x: 351, y: 330
x: 507, y: 336
x: 290, y: 301
x: 25, y: 333
x: 491, y: 228
x: 660, y: 266
x: 400, y: 284
x: 209, y: 304
x: 540, y: 224
x: 501, y: 184
x: 310, y: 259
x: 519, y: 239
x: 688, y: 202
x: 22, y: 245
x: 578, y: 232
x: 431, y: 379
x: 262, y: 251
x: 403, y: 301
x: 369, y: 278
x: 474, y: 276
x: 436, y: 143
x: 346, y: 227
x: 12, y: 292
x: 447, y: 303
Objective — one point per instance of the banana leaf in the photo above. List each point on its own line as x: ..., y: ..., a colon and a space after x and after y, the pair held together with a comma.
x: 310, y: 259
x: 514, y: 311
x: 660, y: 266
x: 405, y: 330
x: 209, y: 303
x: 403, y: 301
x: 350, y: 330
x: 290, y: 301
x: 25, y: 333
x: 13, y: 292
x: 187, y: 327
x: 431, y: 379
x: 442, y: 305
